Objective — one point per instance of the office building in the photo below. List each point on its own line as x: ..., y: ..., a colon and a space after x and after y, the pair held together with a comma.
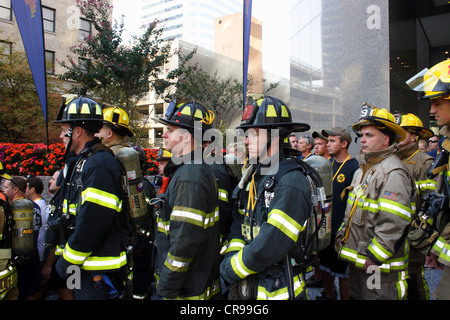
x: 344, y: 53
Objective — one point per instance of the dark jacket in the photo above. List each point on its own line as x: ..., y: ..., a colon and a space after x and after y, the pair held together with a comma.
x: 188, y: 233
x: 261, y: 238
x: 92, y: 191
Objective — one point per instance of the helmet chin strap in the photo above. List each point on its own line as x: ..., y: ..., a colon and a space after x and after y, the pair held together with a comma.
x: 265, y: 151
x: 68, y: 135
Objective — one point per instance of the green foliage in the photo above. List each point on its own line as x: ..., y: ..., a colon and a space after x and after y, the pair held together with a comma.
x: 20, y: 110
x: 118, y: 74
x: 222, y: 96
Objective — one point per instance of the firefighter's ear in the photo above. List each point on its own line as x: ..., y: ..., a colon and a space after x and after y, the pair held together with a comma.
x: 386, y: 140
x: 186, y: 136
x: 76, y: 132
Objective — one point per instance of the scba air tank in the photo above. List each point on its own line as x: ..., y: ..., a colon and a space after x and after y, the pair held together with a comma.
x: 325, y: 170
x: 22, y: 240
x: 135, y: 185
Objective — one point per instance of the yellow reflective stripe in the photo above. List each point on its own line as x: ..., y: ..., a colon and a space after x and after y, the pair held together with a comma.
x: 402, y: 285
x: 285, y: 224
x: 72, y: 207
x: 363, y: 203
x: 282, y: 293
x: 73, y: 256
x: 367, y: 204
x: 239, y: 267
x: 379, y: 252
x: 442, y: 248
x: 177, y: 264
x: 195, y: 217
x: 426, y: 185
x: 223, y: 195
x: 210, y: 292
x: 101, y: 198
x: 6, y: 272
x: 105, y: 263
x: 163, y: 226
x: 9, y: 280
x: 58, y: 250
x: 359, y: 260
x: 396, y: 208
x: 88, y: 262
x: 235, y: 245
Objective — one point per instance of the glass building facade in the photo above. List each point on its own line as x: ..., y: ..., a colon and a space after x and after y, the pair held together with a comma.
x: 189, y: 20
x: 347, y: 52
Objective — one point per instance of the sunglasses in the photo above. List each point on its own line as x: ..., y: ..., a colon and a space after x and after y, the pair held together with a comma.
x: 433, y: 141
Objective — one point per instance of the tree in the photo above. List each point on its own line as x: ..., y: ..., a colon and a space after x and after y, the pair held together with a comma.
x: 20, y: 111
x: 118, y: 74
x: 222, y: 96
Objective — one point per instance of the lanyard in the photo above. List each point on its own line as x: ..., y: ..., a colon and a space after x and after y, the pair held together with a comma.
x: 358, y: 194
x: 340, y: 166
x: 252, y: 195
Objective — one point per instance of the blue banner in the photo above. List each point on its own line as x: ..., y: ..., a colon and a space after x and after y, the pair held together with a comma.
x: 247, y: 28
x: 29, y: 19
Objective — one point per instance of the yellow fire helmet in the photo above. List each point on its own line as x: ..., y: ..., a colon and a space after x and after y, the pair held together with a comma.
x: 163, y: 155
x: 3, y: 174
x: 119, y: 118
x: 434, y: 82
x: 411, y: 122
x: 381, y: 118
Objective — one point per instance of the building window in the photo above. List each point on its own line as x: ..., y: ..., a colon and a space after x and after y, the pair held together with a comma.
x: 48, y: 17
x: 85, y: 29
x: 50, y: 62
x: 159, y: 110
x: 158, y: 140
x: 5, y: 48
x: 159, y: 133
x: 5, y: 10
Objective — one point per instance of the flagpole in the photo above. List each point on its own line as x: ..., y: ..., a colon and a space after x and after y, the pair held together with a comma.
x: 247, y: 23
x: 45, y: 75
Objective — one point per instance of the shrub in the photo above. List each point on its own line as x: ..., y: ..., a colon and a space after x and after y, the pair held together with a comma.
x: 27, y: 158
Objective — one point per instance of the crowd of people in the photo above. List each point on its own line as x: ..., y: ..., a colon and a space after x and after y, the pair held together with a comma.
x: 202, y: 230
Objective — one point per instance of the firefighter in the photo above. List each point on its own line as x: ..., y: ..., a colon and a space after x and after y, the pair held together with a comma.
x: 116, y: 129
x: 418, y: 164
x: 271, y: 210
x: 188, y: 228
x: 372, y: 237
x: 8, y: 269
x: 162, y: 158
x: 115, y: 134
x: 434, y: 83
x: 92, y: 214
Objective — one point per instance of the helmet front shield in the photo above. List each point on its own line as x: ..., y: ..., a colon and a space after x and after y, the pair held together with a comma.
x: 432, y: 83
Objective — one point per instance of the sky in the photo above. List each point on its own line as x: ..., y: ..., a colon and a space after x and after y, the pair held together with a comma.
x: 275, y: 19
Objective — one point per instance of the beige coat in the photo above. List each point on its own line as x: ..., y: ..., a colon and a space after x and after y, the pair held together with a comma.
x: 378, y: 212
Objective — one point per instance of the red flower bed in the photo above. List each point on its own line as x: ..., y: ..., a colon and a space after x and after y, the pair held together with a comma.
x: 27, y: 158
